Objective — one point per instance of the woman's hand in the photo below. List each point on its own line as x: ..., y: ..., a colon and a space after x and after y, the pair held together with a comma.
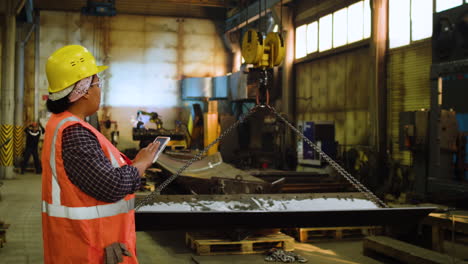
x: 145, y: 157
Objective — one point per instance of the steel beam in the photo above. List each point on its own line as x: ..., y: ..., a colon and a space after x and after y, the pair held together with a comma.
x: 7, y: 99
x: 259, y: 211
x: 208, y: 3
x: 146, y: 221
x: 250, y: 14
x: 37, y: 66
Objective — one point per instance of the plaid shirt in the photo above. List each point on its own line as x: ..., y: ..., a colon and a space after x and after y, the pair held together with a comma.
x: 90, y: 170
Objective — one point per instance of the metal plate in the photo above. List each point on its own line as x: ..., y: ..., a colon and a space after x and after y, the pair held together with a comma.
x: 155, y: 218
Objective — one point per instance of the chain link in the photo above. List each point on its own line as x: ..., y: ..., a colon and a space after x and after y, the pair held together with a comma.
x: 359, y: 186
x: 158, y: 190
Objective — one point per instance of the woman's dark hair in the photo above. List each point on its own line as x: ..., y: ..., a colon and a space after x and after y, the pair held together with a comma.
x: 58, y: 106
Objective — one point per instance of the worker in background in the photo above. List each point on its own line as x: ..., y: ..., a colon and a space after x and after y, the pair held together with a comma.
x: 87, y: 184
x: 33, y: 134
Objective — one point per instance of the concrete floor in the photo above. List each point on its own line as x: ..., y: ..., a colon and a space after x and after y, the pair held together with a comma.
x: 20, y: 207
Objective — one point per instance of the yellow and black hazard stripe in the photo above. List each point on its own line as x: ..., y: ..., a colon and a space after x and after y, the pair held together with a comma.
x: 18, y: 141
x: 6, y: 145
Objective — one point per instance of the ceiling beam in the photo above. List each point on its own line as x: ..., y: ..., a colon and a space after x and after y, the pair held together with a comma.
x: 208, y: 3
x: 250, y: 14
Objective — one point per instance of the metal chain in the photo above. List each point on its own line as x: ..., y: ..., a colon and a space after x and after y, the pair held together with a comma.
x: 158, y: 190
x: 279, y: 255
x: 353, y: 181
x: 359, y: 186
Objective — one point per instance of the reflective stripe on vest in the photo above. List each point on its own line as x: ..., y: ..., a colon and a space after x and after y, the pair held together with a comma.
x: 80, y: 213
x: 55, y: 185
x: 88, y: 213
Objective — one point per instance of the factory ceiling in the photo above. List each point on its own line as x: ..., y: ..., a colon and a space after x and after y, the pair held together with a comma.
x: 213, y: 9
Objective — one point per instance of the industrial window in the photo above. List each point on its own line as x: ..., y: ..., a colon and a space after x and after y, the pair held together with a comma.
x: 325, y: 32
x: 345, y: 26
x: 340, y: 27
x: 442, y: 5
x: 355, y: 22
x: 421, y: 19
x: 301, y: 41
x: 411, y: 20
x: 312, y: 37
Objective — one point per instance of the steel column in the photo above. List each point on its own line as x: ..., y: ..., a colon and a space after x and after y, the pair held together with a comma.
x: 23, y: 37
x: 37, y: 60
x: 378, y: 103
x: 7, y: 99
x: 19, y: 99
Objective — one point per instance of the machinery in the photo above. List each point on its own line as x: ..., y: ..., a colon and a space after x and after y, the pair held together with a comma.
x: 436, y: 139
x: 321, y: 133
x: 146, y: 135
x: 262, y: 53
x: 99, y: 8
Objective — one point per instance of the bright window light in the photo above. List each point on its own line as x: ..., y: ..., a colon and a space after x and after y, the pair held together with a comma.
x: 312, y: 37
x: 367, y: 19
x: 442, y: 5
x: 399, y: 23
x: 421, y: 19
x: 275, y: 28
x: 325, y: 32
x: 301, y: 41
x: 355, y: 22
x: 340, y: 27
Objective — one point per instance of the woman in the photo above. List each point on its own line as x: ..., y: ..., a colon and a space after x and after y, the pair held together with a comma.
x: 87, y: 184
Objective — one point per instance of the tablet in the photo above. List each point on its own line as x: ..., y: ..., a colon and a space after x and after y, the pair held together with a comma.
x: 162, y: 144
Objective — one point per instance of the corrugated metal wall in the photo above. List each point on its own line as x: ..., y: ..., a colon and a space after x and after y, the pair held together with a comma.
x: 336, y: 88
x: 146, y: 57
x: 408, y: 86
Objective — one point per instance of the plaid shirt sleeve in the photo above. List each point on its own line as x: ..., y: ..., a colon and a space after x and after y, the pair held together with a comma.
x: 90, y: 170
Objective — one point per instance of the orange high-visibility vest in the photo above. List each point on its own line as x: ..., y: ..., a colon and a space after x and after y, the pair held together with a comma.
x: 76, y: 227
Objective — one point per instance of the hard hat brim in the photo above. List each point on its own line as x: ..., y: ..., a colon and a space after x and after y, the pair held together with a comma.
x: 101, y: 68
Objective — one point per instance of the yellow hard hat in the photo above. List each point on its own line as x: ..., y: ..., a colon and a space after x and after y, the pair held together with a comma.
x: 68, y: 65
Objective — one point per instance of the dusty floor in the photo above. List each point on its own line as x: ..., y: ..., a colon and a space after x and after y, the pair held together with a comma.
x: 20, y: 207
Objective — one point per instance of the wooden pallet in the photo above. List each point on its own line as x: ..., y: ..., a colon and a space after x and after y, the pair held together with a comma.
x: 216, y: 244
x: 403, y: 252
x: 316, y: 234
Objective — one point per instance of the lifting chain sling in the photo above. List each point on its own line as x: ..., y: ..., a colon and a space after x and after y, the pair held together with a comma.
x: 353, y: 181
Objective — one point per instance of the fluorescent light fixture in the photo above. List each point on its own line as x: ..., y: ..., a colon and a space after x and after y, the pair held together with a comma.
x: 301, y: 41
x: 325, y: 32
x: 355, y: 22
x: 312, y: 37
x: 275, y: 28
x: 399, y: 23
x: 340, y: 27
x: 442, y: 5
x: 421, y: 19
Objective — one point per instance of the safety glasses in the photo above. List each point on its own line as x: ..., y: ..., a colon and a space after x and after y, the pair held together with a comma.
x: 99, y: 84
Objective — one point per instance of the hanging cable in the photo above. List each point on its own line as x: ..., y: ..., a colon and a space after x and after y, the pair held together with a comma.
x: 259, y: 15
x: 265, y: 24
x: 281, y: 18
x: 246, y: 15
